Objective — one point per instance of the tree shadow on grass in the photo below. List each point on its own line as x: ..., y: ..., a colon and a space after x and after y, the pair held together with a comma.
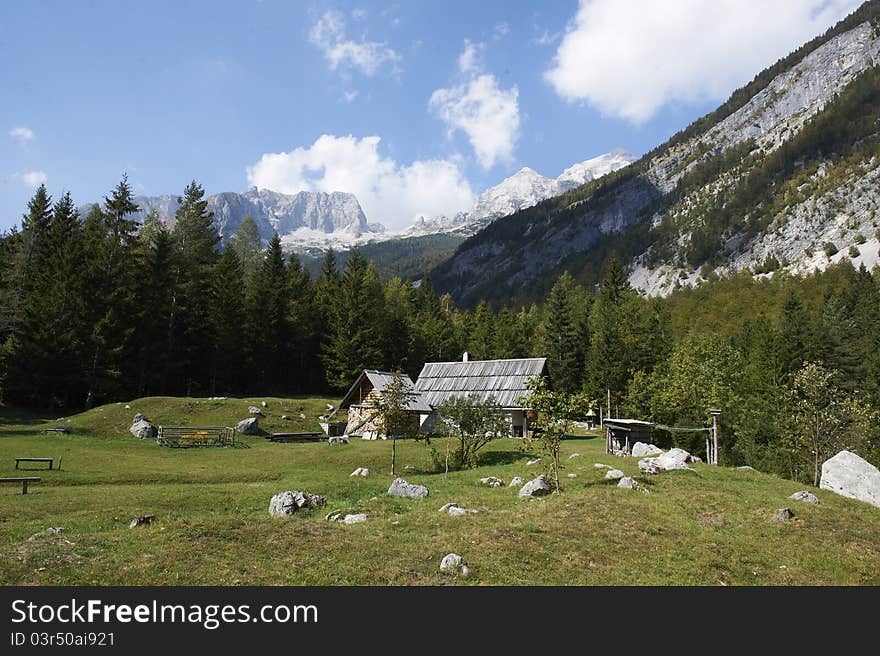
x: 501, y: 458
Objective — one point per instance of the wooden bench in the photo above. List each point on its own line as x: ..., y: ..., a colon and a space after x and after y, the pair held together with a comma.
x: 24, y: 481
x: 51, y: 461
x: 295, y: 437
x: 191, y: 436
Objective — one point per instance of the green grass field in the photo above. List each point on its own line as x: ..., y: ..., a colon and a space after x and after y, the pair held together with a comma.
x: 707, y: 527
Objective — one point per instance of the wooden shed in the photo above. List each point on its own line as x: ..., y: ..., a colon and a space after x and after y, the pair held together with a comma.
x: 621, y: 434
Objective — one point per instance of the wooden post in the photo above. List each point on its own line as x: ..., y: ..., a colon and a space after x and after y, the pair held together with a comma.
x: 715, y: 414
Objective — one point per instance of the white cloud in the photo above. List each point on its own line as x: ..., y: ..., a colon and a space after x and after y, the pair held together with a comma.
x: 389, y: 192
x: 629, y: 58
x: 329, y: 35
x: 22, y: 134
x: 33, y: 178
x: 350, y: 95
x: 479, y: 107
x: 501, y: 30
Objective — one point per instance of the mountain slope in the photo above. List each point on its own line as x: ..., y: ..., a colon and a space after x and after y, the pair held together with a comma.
x: 691, y: 202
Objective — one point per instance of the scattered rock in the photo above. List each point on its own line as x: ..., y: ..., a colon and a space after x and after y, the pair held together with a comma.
x: 360, y: 471
x: 572, y: 475
x: 614, y: 474
x: 782, y: 515
x: 356, y: 518
x: 746, y: 468
x: 254, y: 410
x: 264, y: 404
x: 537, y: 487
x: 142, y: 428
x: 52, y: 530
x: 672, y: 459
x: 455, y: 510
x: 850, y: 476
x: 628, y: 483
x: 516, y: 481
x: 285, y: 417
x: 400, y: 488
x: 599, y: 465
x: 409, y: 468
x: 803, y: 495
x: 249, y: 426
x: 337, y: 440
x: 141, y: 521
x: 491, y: 481
x: 302, y: 415
x: 574, y: 455
x: 451, y: 563
x: 127, y: 407
x: 290, y: 502
x: 642, y: 450
x: 533, y: 462
x: 464, y: 571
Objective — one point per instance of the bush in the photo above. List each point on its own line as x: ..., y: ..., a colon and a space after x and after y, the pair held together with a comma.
x: 854, y: 251
x: 830, y: 249
x: 860, y: 239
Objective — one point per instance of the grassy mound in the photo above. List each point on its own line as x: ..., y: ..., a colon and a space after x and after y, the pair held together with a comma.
x: 709, y: 526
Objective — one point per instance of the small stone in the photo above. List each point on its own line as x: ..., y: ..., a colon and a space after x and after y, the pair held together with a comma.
x: 491, y: 481
x: 127, y: 407
x: 599, y: 465
x: 614, y: 474
x: 264, y: 404
x: 782, y: 515
x: 285, y: 417
x: 803, y: 495
x: 574, y: 455
x: 446, y: 506
x: 464, y: 570
x: 255, y: 410
x: 141, y: 521
x: 336, y: 440
x: 360, y: 471
x: 357, y: 518
x: 409, y: 468
x: 302, y: 415
x: 628, y: 483
x: 533, y: 462
x: 516, y: 481
x: 746, y: 468
x: 572, y: 475
x: 451, y: 563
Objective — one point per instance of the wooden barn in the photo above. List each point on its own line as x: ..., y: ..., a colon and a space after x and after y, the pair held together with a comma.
x: 505, y: 380
x: 361, y: 399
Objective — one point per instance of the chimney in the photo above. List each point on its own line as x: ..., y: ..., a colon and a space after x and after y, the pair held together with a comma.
x: 465, y: 357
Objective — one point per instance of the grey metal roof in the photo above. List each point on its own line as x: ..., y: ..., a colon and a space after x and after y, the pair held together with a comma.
x: 503, y: 379
x: 379, y: 380
x: 628, y: 424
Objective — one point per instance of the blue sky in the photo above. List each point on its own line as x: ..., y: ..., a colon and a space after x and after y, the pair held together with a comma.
x: 413, y: 106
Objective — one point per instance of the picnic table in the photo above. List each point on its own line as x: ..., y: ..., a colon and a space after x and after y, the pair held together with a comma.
x: 24, y: 481
x: 51, y: 461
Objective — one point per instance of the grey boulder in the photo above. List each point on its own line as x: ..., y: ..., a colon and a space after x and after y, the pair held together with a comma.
x: 254, y: 410
x: 642, y: 450
x: 537, y: 487
x: 141, y: 428
x: 628, y: 483
x: 400, y: 488
x: 292, y: 501
x: 249, y: 426
x: 516, y: 481
x: 614, y: 474
x: 850, y: 476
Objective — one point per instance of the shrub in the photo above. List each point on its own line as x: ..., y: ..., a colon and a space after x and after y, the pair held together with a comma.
x: 854, y: 251
x: 860, y: 239
x: 830, y: 249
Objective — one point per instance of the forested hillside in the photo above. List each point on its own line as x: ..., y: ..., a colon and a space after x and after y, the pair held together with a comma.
x: 783, y: 176
x: 95, y: 311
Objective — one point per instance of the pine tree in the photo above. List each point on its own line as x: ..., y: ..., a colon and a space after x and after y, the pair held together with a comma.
x: 245, y: 241
x: 565, y: 358
x: 267, y: 310
x: 227, y: 309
